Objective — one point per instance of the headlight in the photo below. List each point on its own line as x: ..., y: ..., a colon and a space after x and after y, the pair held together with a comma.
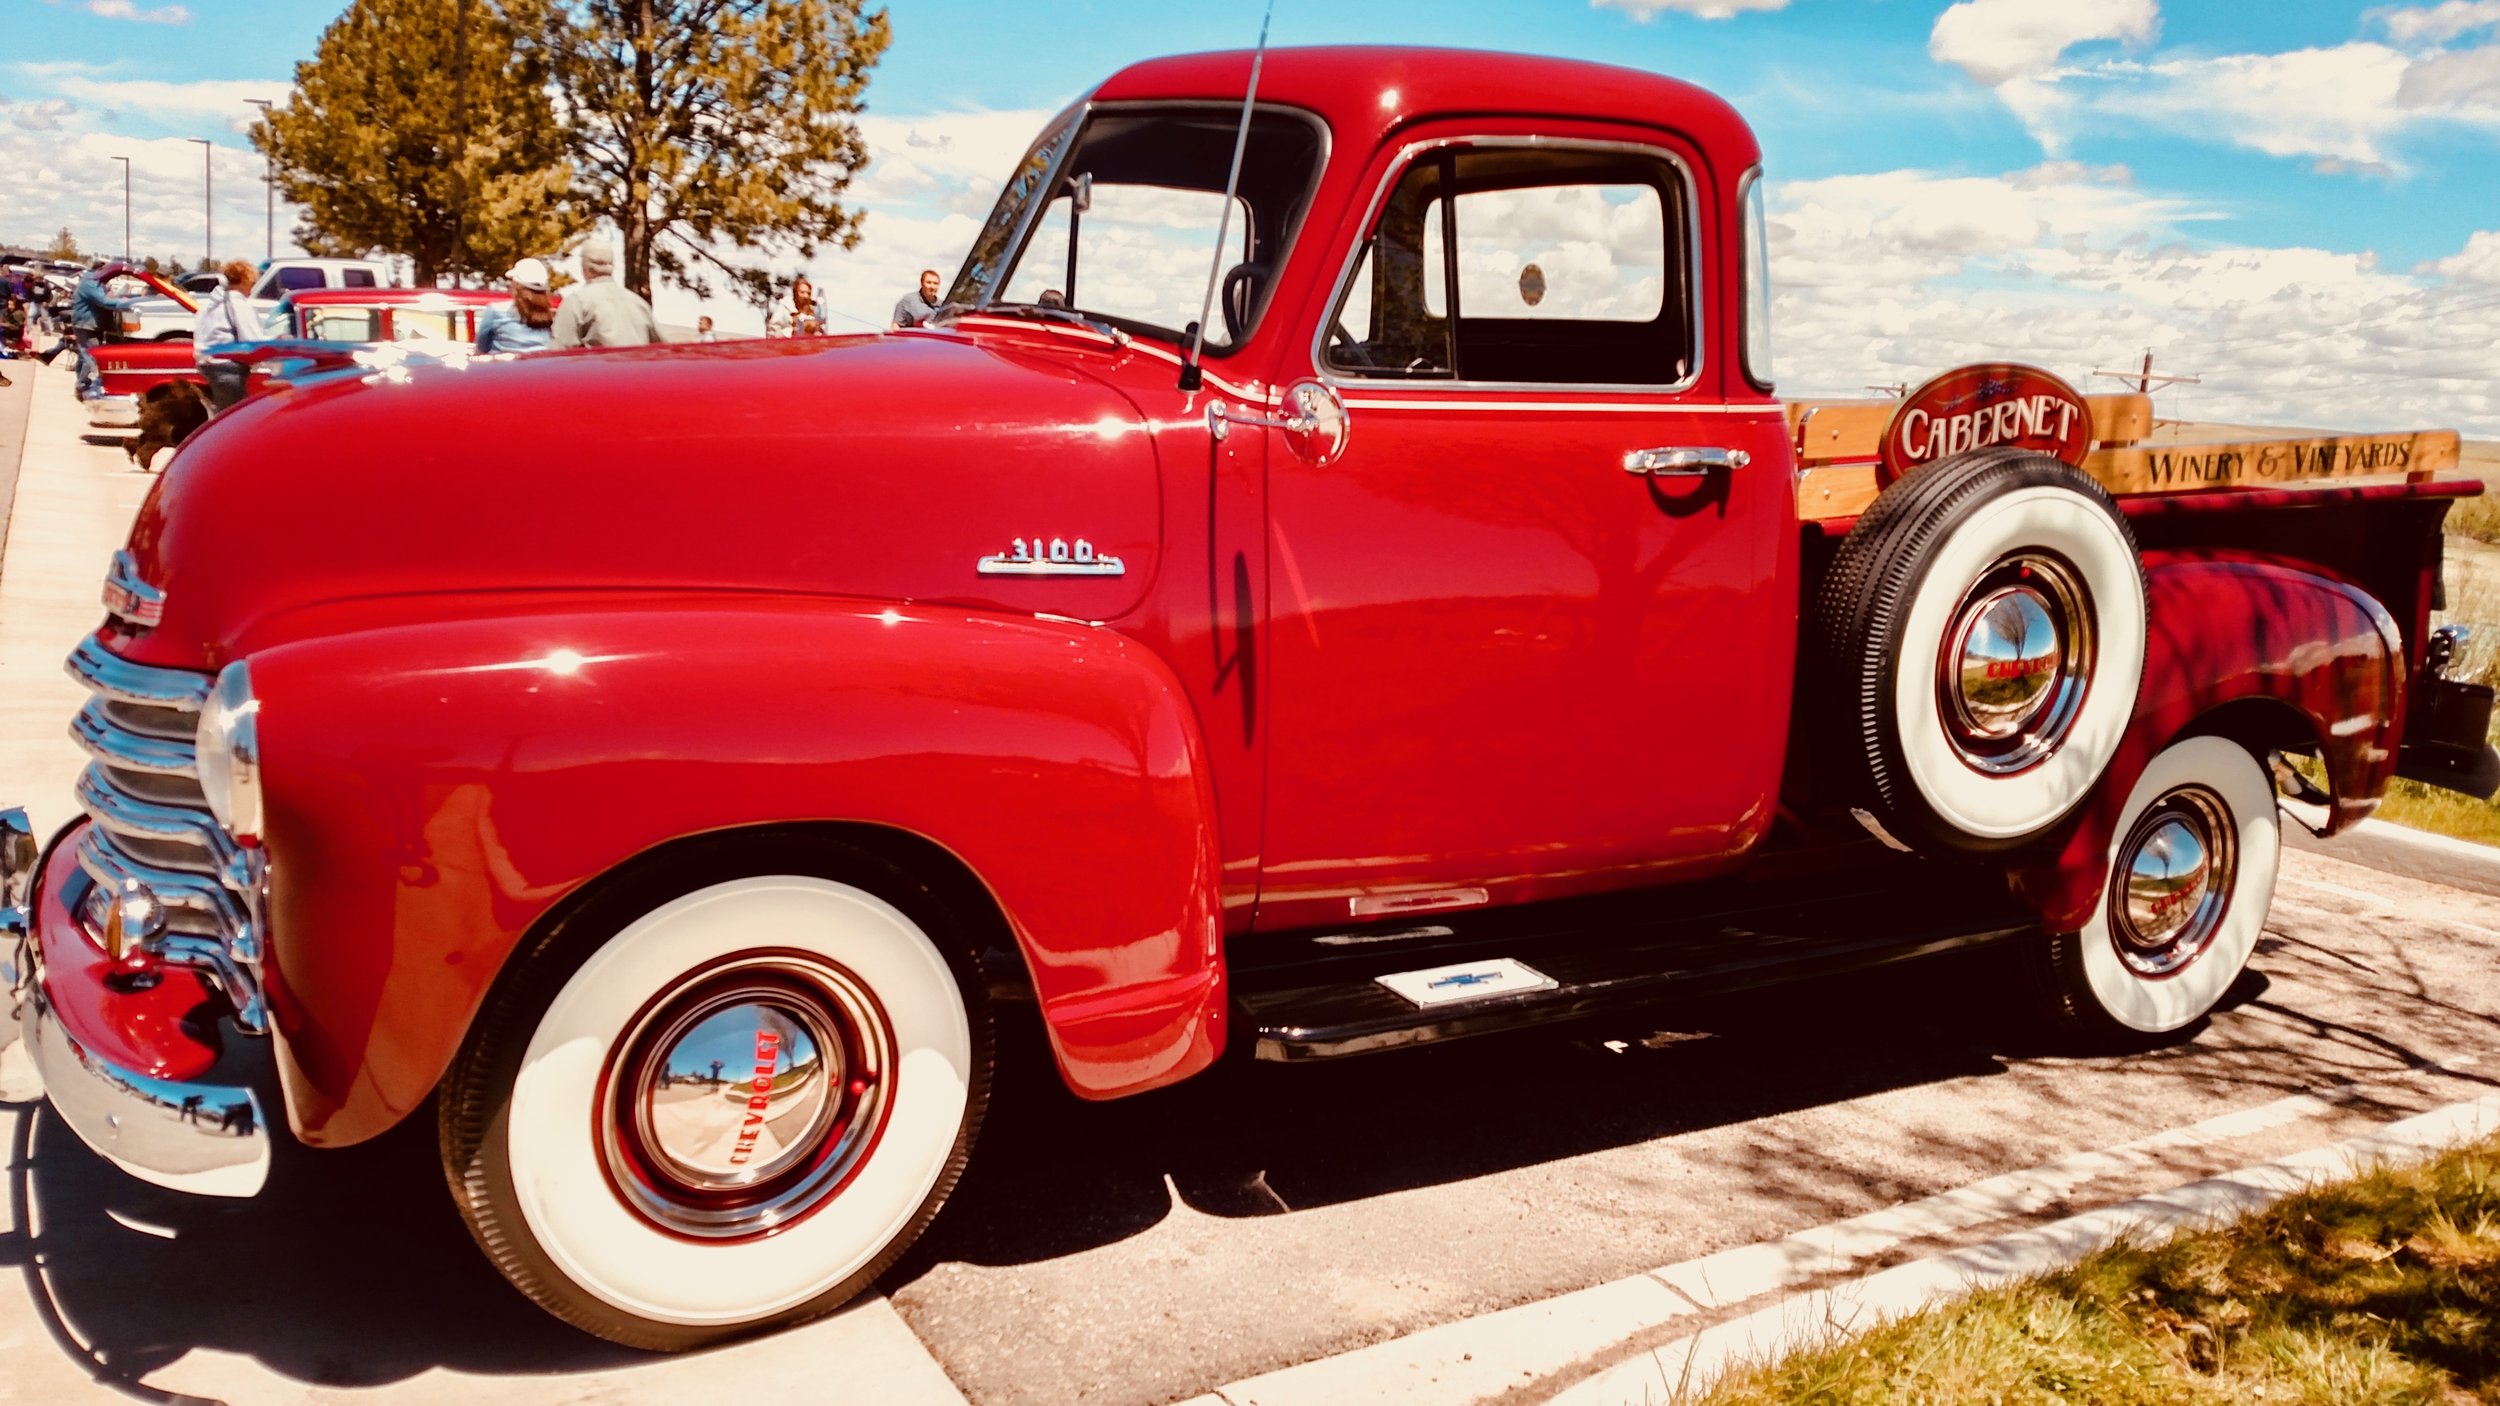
x: 229, y: 752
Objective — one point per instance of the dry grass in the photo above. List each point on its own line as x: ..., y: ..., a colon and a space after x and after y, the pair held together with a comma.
x: 2382, y: 1291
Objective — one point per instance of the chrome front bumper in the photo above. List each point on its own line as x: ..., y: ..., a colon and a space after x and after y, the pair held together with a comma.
x: 210, y: 1139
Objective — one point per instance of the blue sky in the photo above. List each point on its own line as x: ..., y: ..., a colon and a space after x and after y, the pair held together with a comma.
x: 2225, y: 179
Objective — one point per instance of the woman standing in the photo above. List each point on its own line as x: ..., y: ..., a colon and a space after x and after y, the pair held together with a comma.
x: 524, y: 323
x: 799, y: 317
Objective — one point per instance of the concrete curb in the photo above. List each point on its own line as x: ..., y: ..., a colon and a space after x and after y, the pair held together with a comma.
x: 1516, y: 1349
x: 2410, y: 853
x: 1813, y: 1319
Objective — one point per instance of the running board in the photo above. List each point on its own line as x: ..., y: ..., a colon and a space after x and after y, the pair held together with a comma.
x: 1331, y: 994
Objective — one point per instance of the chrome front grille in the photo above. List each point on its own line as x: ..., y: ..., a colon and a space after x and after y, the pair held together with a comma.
x: 152, y: 826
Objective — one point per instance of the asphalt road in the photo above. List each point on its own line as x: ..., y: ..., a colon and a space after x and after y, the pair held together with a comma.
x: 1147, y: 1250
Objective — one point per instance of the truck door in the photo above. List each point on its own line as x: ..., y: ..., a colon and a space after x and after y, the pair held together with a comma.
x: 1534, y: 628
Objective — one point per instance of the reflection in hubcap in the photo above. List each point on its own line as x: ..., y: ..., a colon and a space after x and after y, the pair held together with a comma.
x: 2173, y: 882
x: 739, y: 1094
x: 2010, y: 660
x: 745, y: 1098
x: 2017, y: 663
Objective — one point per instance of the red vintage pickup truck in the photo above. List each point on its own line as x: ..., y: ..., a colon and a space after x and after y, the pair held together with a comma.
x: 1425, y: 621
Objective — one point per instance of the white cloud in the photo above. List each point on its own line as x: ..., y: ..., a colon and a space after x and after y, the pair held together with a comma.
x: 1893, y: 276
x: 221, y: 102
x: 1999, y: 41
x: 2466, y: 83
x: 2477, y: 263
x: 125, y: 10
x: 2339, y: 102
x: 2438, y: 24
x: 1646, y: 10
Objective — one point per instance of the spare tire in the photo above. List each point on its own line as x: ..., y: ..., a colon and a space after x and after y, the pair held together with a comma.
x: 1982, y: 637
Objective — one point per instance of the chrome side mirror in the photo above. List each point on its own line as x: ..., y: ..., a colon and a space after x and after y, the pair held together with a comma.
x: 1081, y: 192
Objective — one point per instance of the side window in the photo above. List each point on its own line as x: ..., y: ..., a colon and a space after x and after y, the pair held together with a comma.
x: 343, y: 325
x: 358, y: 278
x: 1757, y: 285
x: 1524, y: 265
x: 297, y: 279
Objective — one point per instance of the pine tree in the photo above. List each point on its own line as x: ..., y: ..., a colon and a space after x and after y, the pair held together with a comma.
x: 65, y: 246
x: 419, y: 128
x: 697, y: 124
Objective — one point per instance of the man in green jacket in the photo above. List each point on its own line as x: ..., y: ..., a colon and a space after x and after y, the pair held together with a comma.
x: 601, y: 312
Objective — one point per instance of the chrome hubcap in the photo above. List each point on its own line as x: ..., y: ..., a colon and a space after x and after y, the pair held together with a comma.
x: 2173, y: 882
x: 745, y: 1098
x: 2018, y: 661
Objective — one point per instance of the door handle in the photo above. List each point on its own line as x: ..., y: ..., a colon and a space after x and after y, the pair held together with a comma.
x: 1684, y: 461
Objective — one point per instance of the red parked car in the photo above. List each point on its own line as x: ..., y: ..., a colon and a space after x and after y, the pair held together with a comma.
x: 1431, y: 624
x: 424, y: 320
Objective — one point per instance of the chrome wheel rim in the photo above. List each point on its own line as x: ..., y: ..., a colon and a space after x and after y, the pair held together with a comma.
x: 746, y: 1096
x: 2171, y: 886
x: 2017, y: 663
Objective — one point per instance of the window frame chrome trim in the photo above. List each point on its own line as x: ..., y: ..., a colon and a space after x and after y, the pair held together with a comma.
x: 1404, y: 161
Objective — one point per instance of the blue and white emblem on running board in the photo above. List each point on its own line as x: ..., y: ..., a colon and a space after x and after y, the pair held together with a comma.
x: 1467, y: 981
x: 1055, y: 557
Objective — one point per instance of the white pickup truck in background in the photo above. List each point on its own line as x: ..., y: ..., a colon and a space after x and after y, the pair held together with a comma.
x: 164, y: 320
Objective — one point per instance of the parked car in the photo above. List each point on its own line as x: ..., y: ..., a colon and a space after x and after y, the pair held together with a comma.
x: 278, y: 279
x: 421, y: 319
x: 1454, y: 633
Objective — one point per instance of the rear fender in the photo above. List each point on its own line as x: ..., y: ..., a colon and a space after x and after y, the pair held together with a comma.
x: 2269, y: 651
x: 434, y: 789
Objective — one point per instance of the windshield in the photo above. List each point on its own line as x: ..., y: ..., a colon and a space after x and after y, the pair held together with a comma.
x: 1113, y: 216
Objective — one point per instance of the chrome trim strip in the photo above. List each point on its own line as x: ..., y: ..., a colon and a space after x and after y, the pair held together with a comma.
x: 115, y: 677
x: 124, y: 814
x: 206, y: 1139
x: 128, y: 596
x: 114, y: 745
x: 1399, y: 166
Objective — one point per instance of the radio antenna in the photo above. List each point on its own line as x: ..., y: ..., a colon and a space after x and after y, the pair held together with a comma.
x: 1191, y: 377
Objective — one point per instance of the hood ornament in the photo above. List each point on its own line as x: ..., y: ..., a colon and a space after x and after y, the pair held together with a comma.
x: 1055, y: 557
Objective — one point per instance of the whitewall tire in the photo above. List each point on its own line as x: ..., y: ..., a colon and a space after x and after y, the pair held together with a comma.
x: 1983, y: 637
x: 733, y: 1108
x: 2191, y: 871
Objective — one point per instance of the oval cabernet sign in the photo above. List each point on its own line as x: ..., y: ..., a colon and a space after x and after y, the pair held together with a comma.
x: 1974, y: 407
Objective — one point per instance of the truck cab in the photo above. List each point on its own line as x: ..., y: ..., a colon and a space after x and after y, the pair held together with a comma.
x: 1333, y: 576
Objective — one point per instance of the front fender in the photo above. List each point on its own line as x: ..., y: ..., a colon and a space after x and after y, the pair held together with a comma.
x: 2228, y: 627
x: 435, y: 787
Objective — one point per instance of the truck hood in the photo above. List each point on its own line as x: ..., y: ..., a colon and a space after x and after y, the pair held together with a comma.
x: 880, y: 467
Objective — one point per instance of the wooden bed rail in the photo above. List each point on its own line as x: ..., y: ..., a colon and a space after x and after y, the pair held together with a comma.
x: 1836, y: 442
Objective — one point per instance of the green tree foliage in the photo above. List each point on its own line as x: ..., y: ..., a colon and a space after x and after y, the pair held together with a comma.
x: 419, y: 127
x: 698, y: 124
x: 64, y: 246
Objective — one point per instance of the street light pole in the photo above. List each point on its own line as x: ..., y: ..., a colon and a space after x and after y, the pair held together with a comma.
x: 208, y: 201
x: 125, y: 161
x: 268, y: 180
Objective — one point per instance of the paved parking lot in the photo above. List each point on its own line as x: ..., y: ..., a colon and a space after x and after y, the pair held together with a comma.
x: 1223, y: 1235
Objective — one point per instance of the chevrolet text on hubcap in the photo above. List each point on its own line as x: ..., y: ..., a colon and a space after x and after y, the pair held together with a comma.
x: 744, y: 1099
x: 2018, y: 662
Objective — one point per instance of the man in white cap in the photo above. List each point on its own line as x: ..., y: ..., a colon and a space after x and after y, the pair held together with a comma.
x: 527, y: 323
x: 602, y: 312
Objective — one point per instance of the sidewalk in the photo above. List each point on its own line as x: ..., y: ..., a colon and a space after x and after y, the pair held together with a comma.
x: 71, y: 511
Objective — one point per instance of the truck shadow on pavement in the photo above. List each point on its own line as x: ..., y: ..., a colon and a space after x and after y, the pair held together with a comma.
x: 357, y: 1270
